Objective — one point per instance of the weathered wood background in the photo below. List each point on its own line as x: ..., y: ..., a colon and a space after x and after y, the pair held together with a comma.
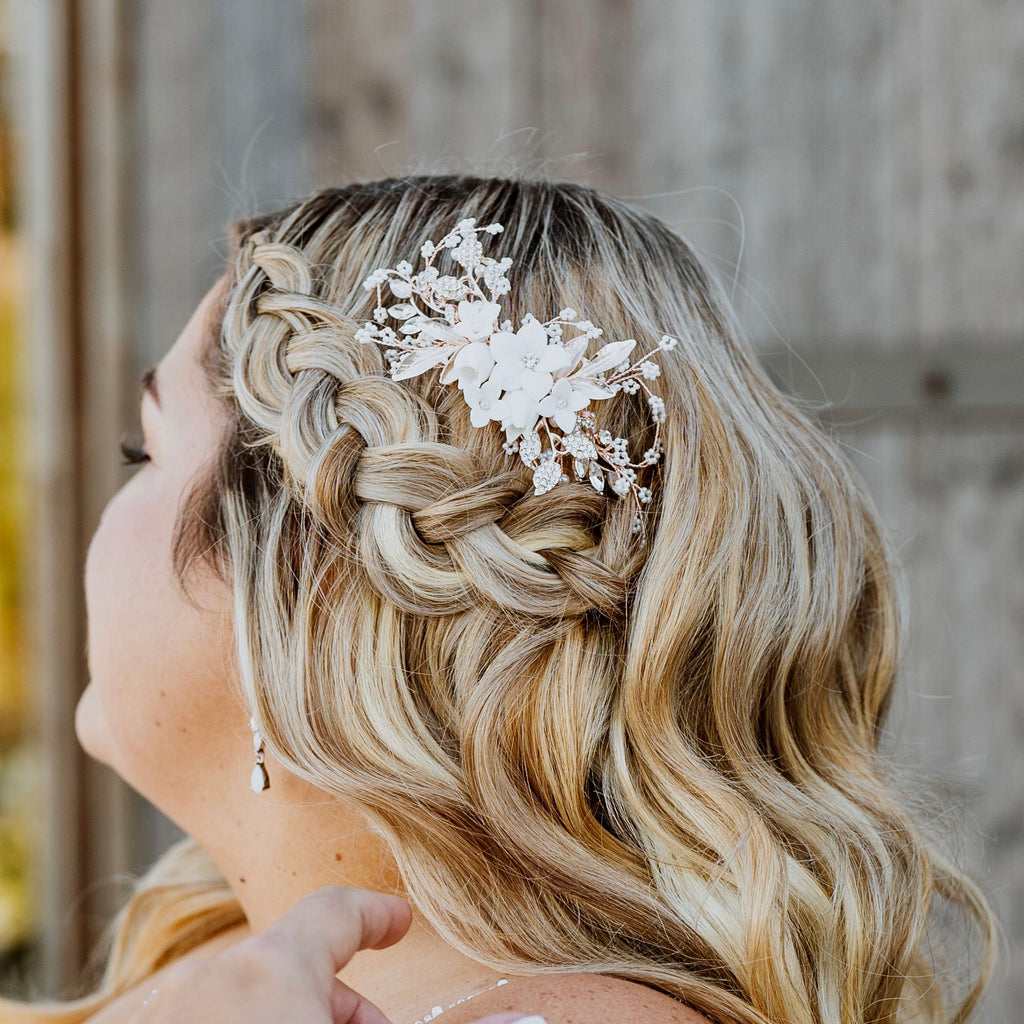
x: 854, y: 172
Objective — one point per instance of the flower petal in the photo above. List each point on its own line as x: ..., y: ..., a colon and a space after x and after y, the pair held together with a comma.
x: 506, y: 347
x: 471, y: 365
x: 479, y: 417
x: 578, y: 401
x: 535, y: 383
x: 549, y: 404
x: 507, y: 375
x: 518, y: 410
x: 566, y: 420
x: 532, y: 337
x: 477, y: 318
x: 483, y: 402
x: 553, y: 359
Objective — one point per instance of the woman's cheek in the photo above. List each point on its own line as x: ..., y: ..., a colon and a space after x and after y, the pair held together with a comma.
x: 159, y: 694
x: 124, y: 585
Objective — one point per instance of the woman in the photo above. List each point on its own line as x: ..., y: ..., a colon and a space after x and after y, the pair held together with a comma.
x: 615, y: 737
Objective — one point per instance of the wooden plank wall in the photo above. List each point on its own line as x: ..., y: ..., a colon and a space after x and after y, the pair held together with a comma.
x: 853, y: 172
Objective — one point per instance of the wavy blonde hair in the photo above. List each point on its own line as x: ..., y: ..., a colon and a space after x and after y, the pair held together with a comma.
x: 655, y: 761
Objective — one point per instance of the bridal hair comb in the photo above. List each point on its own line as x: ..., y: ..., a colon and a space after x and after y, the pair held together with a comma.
x: 537, y: 384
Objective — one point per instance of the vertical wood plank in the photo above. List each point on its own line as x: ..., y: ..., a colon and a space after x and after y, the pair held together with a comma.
x: 47, y: 174
x: 360, y: 88
x: 586, y: 75
x: 475, y: 65
x: 106, y: 385
x: 952, y: 500
x: 174, y: 224
x: 756, y: 100
x: 966, y: 680
x: 260, y: 117
x: 972, y: 126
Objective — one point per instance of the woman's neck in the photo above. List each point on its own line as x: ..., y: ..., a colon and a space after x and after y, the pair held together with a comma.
x: 293, y: 839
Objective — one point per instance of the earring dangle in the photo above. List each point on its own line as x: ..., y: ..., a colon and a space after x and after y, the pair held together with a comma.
x: 259, y: 780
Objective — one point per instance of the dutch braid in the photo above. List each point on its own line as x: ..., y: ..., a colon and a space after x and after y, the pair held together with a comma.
x: 436, y: 540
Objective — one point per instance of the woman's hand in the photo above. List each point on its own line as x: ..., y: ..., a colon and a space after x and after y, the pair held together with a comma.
x: 287, y: 972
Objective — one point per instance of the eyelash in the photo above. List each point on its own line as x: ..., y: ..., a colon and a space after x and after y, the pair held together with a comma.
x: 132, y: 456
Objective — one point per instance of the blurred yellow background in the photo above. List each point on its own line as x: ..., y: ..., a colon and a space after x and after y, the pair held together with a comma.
x: 19, y: 776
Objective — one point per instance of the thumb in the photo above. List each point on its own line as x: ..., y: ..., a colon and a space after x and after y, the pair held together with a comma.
x: 349, y: 1007
x: 325, y: 929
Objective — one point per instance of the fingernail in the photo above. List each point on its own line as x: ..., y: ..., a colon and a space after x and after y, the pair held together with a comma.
x: 532, y: 1019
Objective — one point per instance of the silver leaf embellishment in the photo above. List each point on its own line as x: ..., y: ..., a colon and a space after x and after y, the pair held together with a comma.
x: 546, y: 475
x: 412, y: 364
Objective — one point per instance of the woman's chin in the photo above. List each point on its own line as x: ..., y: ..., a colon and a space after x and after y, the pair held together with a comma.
x: 92, y: 734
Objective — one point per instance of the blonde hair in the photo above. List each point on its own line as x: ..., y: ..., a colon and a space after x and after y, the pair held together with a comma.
x: 655, y: 761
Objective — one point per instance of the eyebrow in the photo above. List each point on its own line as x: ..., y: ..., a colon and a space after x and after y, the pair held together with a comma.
x: 149, y: 384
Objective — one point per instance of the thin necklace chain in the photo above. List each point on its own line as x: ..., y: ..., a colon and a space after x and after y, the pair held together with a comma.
x: 436, y: 1011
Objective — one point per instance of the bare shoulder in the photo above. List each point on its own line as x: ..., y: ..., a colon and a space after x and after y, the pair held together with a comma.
x: 126, y: 1006
x: 579, y: 999
x: 220, y: 941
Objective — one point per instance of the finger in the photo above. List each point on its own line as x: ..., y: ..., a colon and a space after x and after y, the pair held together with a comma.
x: 349, y: 1007
x: 329, y: 926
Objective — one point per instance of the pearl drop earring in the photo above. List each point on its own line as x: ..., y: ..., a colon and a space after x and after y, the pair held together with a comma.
x: 259, y: 780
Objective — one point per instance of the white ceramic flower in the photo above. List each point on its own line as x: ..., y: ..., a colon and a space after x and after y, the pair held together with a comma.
x: 471, y: 366
x: 562, y: 404
x: 517, y: 411
x: 524, y: 361
x: 477, y: 319
x: 483, y: 402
